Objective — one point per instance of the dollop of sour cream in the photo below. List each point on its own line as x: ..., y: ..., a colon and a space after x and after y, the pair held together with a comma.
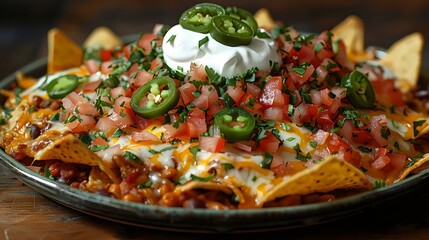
x: 181, y: 49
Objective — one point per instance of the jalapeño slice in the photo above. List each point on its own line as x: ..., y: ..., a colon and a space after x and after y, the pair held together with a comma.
x: 244, y: 16
x: 231, y: 31
x: 61, y: 86
x: 359, y: 89
x: 199, y: 17
x: 235, y: 124
x: 158, y: 96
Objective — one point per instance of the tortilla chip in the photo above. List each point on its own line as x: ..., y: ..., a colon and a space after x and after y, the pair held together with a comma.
x: 404, y: 59
x: 63, y: 53
x: 203, y: 185
x: 70, y: 149
x: 264, y: 19
x: 351, y: 31
x: 328, y: 175
x: 104, y: 38
x: 420, y: 165
x: 16, y: 114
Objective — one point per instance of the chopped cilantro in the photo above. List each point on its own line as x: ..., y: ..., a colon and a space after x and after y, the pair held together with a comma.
x: 203, y: 179
x: 147, y: 184
x: 416, y: 124
x: 203, y: 41
x: 153, y: 151
x: 266, y: 162
x: 131, y: 157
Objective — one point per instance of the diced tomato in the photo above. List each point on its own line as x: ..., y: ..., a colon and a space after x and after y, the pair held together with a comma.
x: 156, y: 63
x: 172, y: 132
x: 212, y: 144
x: 82, y: 124
x: 287, y: 168
x: 211, y: 93
x: 106, y: 67
x: 274, y: 113
x: 213, y: 109
x: 398, y: 160
x: 92, y: 66
x: 304, y: 113
x: 117, y: 92
x: 123, y: 119
x: 145, y: 42
x: 186, y: 91
x: 142, y: 123
x: 144, y: 136
x: 235, y: 93
x: 106, y: 55
x: 106, y: 125
x: 324, y: 121
x: 270, y: 143
x: 271, y: 94
x: 201, y: 102
x: 380, y: 162
x: 90, y: 86
x: 341, y: 56
x: 324, y: 53
x: 142, y: 77
x: 122, y: 102
x: 74, y: 100
x: 298, y: 78
x: 306, y: 54
x: 127, y: 51
x: 99, y: 141
x: 196, y: 73
x: 196, y: 122
x: 320, y: 136
x: 329, y: 65
x: 132, y: 71
x: 376, y: 126
x: 363, y: 137
x: 253, y: 90
x: 387, y: 94
x: 340, y: 148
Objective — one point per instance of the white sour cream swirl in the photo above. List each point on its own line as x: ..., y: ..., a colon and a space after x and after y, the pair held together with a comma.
x: 180, y: 47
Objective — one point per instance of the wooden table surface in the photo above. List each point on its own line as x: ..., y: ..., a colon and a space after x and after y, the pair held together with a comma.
x: 24, y: 214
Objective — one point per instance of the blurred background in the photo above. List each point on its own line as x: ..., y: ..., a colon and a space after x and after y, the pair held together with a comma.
x: 24, y: 24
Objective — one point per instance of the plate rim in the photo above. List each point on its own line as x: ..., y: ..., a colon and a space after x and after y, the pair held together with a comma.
x: 181, y: 219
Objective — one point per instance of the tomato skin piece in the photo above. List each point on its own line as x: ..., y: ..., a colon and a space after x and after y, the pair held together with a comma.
x: 245, y: 146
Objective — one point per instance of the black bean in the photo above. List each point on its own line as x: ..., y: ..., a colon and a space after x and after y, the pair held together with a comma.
x: 34, y: 131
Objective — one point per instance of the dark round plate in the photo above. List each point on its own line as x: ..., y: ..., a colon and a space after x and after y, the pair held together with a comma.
x: 198, y: 220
